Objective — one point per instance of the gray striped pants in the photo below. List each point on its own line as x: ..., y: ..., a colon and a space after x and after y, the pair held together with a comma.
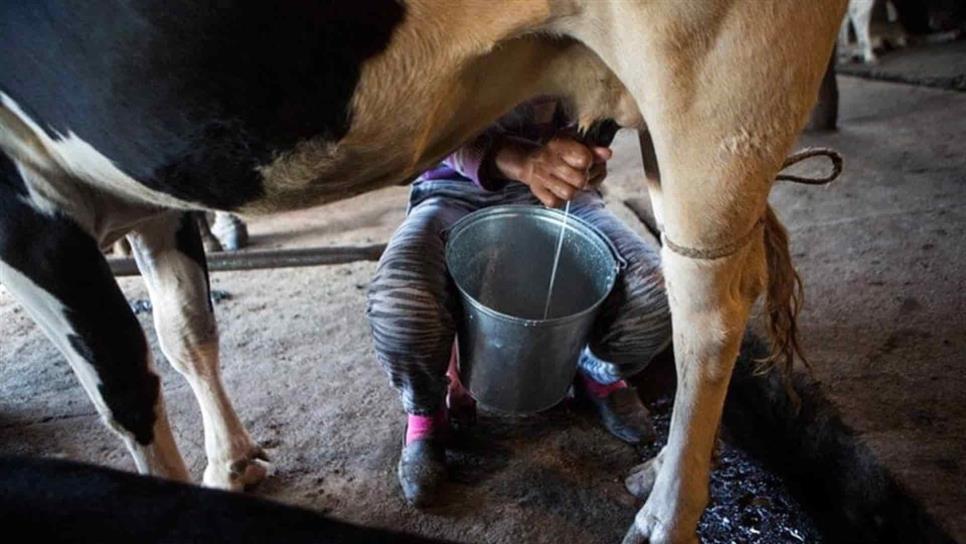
x: 413, y: 304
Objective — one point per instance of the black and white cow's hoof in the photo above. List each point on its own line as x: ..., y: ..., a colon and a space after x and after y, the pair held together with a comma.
x: 239, y: 474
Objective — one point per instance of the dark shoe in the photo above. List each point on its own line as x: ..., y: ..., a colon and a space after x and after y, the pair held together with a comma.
x: 624, y: 415
x: 422, y: 468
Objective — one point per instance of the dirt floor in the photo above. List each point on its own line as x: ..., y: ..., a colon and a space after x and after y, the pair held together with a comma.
x: 299, y: 365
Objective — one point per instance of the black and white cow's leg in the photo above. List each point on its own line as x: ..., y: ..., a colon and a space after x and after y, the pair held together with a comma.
x: 57, y: 271
x: 208, y: 239
x: 171, y: 258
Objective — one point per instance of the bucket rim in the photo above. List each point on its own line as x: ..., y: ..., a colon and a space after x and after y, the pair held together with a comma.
x: 534, y: 210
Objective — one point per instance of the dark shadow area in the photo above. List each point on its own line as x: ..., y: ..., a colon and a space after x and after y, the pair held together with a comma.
x: 849, y: 494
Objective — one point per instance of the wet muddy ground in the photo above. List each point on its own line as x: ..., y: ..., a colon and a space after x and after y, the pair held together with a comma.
x: 749, y: 503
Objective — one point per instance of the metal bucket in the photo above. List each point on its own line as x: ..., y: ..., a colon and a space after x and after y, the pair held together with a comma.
x: 511, y: 359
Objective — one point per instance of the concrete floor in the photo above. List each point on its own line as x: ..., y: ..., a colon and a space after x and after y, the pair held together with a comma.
x: 882, y: 255
x: 885, y: 327
x: 940, y: 65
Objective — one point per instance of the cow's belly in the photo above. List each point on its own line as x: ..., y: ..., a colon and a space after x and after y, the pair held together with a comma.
x: 318, y: 172
x: 60, y: 159
x: 315, y: 171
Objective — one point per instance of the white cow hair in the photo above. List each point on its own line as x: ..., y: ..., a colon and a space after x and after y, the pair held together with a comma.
x: 26, y: 142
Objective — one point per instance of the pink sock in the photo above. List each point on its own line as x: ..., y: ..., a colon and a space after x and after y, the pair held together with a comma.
x: 601, y: 390
x: 421, y: 427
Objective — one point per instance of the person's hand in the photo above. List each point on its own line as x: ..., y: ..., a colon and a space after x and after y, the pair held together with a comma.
x: 556, y: 170
x: 598, y: 171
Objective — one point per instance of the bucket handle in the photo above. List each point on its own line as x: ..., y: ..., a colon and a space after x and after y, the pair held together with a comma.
x: 621, y: 262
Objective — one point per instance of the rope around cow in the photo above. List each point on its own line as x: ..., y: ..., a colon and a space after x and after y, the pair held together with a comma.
x: 732, y: 248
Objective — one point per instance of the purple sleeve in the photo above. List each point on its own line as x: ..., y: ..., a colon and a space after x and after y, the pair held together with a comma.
x: 471, y: 159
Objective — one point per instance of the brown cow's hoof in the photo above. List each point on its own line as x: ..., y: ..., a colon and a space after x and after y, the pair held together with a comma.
x: 634, y: 536
x: 647, y: 529
x: 641, y: 479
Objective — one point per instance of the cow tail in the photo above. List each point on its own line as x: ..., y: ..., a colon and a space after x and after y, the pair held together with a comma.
x: 783, y: 298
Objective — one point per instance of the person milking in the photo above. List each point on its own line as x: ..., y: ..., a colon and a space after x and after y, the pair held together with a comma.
x: 530, y: 156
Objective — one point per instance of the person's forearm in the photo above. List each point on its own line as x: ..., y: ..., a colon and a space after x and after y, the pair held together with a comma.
x: 509, y: 158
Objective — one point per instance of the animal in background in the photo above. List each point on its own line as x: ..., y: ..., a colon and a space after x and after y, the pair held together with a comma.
x: 874, y: 23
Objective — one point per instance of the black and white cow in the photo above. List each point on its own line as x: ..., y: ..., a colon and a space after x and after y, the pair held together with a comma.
x: 116, y: 116
x: 113, y: 115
